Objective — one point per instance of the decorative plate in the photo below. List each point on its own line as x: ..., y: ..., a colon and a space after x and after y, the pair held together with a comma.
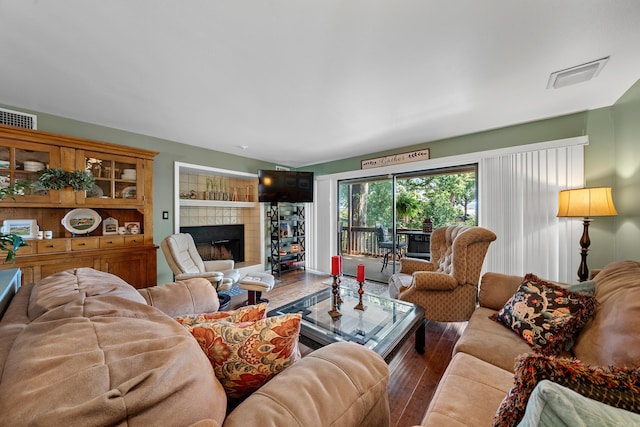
x: 129, y: 193
x: 81, y: 221
x: 95, y: 191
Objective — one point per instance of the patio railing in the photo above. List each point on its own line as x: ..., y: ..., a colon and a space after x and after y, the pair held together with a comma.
x: 362, y: 241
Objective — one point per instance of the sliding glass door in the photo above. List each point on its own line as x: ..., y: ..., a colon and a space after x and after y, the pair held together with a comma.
x: 365, y: 216
x: 383, y: 218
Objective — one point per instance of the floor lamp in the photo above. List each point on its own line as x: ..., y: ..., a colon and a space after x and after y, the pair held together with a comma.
x: 586, y: 203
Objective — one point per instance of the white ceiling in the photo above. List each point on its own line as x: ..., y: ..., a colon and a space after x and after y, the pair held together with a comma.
x: 300, y: 82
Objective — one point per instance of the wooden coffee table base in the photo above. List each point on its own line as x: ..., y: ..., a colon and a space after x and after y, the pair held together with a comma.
x: 420, y: 338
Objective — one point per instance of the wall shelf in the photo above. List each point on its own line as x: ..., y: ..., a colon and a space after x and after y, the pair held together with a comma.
x: 216, y: 203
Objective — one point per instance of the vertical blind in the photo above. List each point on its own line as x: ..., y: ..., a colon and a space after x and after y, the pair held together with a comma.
x: 518, y: 200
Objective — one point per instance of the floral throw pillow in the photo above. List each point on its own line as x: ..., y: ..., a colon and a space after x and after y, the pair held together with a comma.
x: 546, y: 315
x: 246, y: 355
x: 243, y: 314
x: 618, y: 387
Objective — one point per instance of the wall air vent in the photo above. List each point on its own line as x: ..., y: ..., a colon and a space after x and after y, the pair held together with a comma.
x: 577, y: 74
x: 19, y: 119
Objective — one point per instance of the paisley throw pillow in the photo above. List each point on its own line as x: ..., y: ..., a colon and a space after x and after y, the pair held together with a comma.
x: 246, y: 355
x: 243, y: 314
x: 546, y: 315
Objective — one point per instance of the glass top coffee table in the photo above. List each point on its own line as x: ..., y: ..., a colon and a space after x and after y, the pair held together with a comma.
x: 383, y: 326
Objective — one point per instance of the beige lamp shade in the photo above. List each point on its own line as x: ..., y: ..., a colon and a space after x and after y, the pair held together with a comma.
x: 586, y: 202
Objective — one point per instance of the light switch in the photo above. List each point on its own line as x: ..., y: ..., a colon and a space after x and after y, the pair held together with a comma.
x: 165, y: 214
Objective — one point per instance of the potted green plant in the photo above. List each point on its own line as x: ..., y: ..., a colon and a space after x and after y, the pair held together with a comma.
x: 53, y: 178
x: 58, y: 178
x: 80, y: 180
x: 406, y: 207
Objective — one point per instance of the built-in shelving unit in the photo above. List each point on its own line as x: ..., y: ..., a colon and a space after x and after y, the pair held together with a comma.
x: 196, y: 189
x: 288, y: 237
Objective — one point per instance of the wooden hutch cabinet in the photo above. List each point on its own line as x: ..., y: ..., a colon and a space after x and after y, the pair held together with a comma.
x: 122, y: 190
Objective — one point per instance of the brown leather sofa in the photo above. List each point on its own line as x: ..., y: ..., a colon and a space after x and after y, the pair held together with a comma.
x: 480, y: 373
x: 84, y: 348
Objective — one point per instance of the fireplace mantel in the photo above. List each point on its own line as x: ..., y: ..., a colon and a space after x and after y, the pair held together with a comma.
x: 217, y: 203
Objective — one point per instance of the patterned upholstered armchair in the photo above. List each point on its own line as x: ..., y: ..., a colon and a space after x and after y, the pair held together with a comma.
x: 446, y: 287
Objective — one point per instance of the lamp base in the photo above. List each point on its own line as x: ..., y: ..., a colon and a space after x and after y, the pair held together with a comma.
x: 583, y: 270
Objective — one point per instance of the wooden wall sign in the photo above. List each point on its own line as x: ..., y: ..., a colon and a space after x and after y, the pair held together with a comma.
x: 395, y: 159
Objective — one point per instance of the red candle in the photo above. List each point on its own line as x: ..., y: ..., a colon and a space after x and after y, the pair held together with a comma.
x: 335, y: 266
x: 339, y: 264
x: 360, y: 272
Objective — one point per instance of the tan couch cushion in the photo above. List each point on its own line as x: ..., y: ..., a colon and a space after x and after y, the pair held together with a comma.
x: 469, y: 393
x: 355, y: 394
x: 496, y: 289
x: 104, y: 358
x: 189, y: 296
x: 15, y: 319
x: 77, y: 284
x: 491, y: 341
x: 613, y: 335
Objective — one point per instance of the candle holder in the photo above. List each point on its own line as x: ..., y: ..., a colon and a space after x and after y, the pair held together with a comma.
x: 360, y: 306
x: 335, y: 305
x: 339, y: 280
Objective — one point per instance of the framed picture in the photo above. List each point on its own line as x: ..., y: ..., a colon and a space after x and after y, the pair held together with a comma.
x: 285, y: 229
x: 132, y: 227
x: 25, y: 228
x: 109, y: 226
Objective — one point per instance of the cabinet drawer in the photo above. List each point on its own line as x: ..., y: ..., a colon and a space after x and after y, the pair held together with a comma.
x: 134, y: 240
x: 27, y: 250
x: 85, y: 243
x: 49, y: 246
x: 111, y: 242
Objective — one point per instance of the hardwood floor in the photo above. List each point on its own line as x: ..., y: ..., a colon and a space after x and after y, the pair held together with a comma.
x: 414, y: 377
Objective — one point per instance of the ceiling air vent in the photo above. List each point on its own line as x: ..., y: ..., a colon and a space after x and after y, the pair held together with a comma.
x: 577, y: 74
x: 19, y: 119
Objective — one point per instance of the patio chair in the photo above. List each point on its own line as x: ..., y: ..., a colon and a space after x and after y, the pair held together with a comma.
x: 388, y: 245
x: 447, y: 286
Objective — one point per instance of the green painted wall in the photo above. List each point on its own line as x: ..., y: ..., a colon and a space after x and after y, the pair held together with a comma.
x: 612, y: 158
x: 626, y: 172
x: 527, y: 133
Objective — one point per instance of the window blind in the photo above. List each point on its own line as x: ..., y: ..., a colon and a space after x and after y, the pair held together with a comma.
x: 518, y: 199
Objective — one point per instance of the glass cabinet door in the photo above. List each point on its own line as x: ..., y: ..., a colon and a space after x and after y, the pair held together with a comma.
x: 5, y: 167
x: 22, y: 164
x: 116, y: 178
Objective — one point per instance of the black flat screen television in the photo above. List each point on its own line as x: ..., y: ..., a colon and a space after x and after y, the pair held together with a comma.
x: 285, y: 186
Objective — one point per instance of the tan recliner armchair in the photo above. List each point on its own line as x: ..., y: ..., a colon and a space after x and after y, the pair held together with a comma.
x: 447, y: 286
x: 185, y: 262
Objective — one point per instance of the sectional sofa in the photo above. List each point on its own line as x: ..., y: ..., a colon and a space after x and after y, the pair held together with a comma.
x: 84, y: 348
x: 491, y: 364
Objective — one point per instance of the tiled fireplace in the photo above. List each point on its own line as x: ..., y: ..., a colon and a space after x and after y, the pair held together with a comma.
x: 216, y: 242
x: 210, y: 215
